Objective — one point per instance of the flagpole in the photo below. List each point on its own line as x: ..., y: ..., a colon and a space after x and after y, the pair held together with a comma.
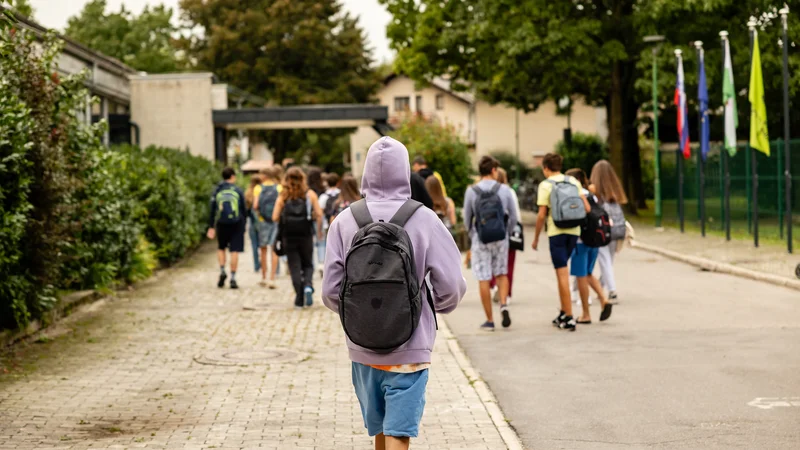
x: 701, y: 177
x: 680, y: 167
x: 787, y: 171
x: 726, y: 207
x: 751, y: 25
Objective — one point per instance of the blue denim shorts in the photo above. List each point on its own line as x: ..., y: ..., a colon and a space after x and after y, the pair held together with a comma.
x: 391, y: 403
x: 582, y: 261
x: 267, y: 231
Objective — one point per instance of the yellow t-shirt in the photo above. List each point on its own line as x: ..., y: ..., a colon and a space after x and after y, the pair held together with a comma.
x: 257, y: 192
x: 543, y: 199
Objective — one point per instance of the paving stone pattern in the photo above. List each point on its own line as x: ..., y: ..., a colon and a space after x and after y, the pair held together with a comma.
x: 125, y: 374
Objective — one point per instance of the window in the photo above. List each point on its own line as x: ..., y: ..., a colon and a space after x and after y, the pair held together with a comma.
x: 439, y: 102
x: 402, y: 104
x: 419, y: 104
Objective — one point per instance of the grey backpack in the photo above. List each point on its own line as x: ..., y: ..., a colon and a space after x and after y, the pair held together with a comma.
x: 618, y: 229
x: 380, y: 302
x: 566, y: 204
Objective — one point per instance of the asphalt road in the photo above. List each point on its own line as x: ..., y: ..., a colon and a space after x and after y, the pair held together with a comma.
x: 681, y: 364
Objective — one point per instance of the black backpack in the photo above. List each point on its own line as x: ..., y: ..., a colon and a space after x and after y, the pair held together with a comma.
x: 490, y: 215
x: 296, y: 218
x: 266, y: 201
x: 380, y: 302
x: 596, y: 228
x: 331, y: 206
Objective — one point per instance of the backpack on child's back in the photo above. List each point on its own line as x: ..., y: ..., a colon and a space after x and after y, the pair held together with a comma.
x: 227, y: 200
x: 617, y: 216
x: 381, y: 298
x: 266, y: 201
x: 566, y: 205
x: 490, y: 215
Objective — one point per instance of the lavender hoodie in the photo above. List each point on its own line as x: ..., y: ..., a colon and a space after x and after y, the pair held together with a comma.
x: 386, y: 186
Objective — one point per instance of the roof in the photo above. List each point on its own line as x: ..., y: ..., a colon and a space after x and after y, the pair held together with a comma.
x: 255, y: 165
x: 441, y: 84
x: 77, y: 49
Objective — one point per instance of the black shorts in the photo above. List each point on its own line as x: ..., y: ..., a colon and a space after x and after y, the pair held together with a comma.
x: 231, y: 236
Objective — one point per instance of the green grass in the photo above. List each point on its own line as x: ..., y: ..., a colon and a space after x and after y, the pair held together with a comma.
x: 768, y: 224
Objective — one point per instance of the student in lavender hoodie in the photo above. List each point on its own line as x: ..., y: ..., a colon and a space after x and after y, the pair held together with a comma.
x: 390, y: 386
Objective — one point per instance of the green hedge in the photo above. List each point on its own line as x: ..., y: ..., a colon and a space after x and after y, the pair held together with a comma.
x: 73, y: 213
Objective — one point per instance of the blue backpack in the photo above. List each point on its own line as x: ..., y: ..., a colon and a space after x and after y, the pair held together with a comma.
x: 266, y: 201
x: 490, y: 215
x: 228, y: 206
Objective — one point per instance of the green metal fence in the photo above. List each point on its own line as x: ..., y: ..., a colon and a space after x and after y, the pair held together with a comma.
x: 771, y: 196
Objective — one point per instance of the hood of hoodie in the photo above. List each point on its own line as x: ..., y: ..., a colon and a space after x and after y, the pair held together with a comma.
x: 387, y: 171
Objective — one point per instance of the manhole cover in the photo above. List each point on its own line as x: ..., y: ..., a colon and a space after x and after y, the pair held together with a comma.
x: 249, y: 357
x: 265, y: 305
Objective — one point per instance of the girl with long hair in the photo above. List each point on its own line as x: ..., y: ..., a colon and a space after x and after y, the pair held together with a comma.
x: 608, y: 189
x: 502, y: 178
x: 249, y: 202
x: 348, y: 195
x: 300, y: 217
x: 443, y: 206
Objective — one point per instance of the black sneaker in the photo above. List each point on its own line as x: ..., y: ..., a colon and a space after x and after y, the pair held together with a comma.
x: 222, y: 277
x: 559, y: 318
x: 506, y: 317
x: 234, y: 285
x: 568, y: 323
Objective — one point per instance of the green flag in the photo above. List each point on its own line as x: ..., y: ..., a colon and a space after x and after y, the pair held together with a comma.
x: 759, y: 136
x: 729, y: 97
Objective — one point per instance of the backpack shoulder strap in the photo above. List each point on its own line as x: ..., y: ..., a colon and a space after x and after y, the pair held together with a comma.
x: 495, y: 188
x: 477, y: 190
x: 361, y: 213
x: 405, y: 212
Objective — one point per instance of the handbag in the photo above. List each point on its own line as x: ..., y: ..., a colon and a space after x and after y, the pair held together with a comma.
x: 516, y: 240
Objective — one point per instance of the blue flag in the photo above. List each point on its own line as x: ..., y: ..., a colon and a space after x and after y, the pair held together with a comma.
x: 702, y: 96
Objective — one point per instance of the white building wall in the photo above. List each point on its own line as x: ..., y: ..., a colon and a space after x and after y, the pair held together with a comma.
x: 174, y: 110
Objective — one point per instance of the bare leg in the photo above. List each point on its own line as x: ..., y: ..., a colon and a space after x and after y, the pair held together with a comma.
x: 562, y: 275
x: 274, y: 268
x: 486, y: 299
x: 592, y: 281
x: 380, y: 442
x: 397, y: 443
x: 583, y: 289
x: 263, y: 252
x: 502, y: 288
x: 234, y: 261
x: 221, y: 257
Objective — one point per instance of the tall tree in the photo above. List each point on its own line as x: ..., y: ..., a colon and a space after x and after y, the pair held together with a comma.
x: 291, y: 52
x: 144, y: 42
x: 522, y: 52
x: 23, y: 7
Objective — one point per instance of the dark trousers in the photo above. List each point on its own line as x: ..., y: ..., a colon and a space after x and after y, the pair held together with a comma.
x: 299, y: 252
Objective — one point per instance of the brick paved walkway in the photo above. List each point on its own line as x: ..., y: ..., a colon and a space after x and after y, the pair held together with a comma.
x: 125, y: 374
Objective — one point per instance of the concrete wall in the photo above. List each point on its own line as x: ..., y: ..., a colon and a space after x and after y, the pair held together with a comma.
x: 539, y: 131
x: 174, y: 110
x: 219, y: 96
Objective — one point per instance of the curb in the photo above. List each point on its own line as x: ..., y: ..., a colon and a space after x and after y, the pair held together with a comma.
x: 65, y: 306
x: 713, y: 266
x: 507, y: 433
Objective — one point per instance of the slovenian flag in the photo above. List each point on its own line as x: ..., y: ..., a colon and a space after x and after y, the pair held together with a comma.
x: 702, y: 97
x: 683, y: 119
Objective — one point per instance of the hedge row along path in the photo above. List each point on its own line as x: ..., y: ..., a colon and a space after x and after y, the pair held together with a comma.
x: 180, y: 364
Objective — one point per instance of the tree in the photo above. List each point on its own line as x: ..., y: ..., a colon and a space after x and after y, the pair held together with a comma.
x: 290, y: 52
x: 524, y: 52
x: 23, y: 7
x: 143, y: 42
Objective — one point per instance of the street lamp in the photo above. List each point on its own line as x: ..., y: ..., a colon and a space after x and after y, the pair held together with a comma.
x: 656, y: 41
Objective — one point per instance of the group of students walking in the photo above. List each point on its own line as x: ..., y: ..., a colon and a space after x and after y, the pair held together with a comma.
x: 390, y: 262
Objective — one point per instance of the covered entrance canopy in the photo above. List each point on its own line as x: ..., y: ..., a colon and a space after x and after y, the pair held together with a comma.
x: 296, y: 117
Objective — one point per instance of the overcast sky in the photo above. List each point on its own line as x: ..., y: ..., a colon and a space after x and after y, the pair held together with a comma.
x: 372, y: 17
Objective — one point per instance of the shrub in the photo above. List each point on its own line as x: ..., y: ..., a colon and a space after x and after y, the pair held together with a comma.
x: 442, y: 148
x: 585, y: 151
x: 510, y: 162
x: 73, y: 214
